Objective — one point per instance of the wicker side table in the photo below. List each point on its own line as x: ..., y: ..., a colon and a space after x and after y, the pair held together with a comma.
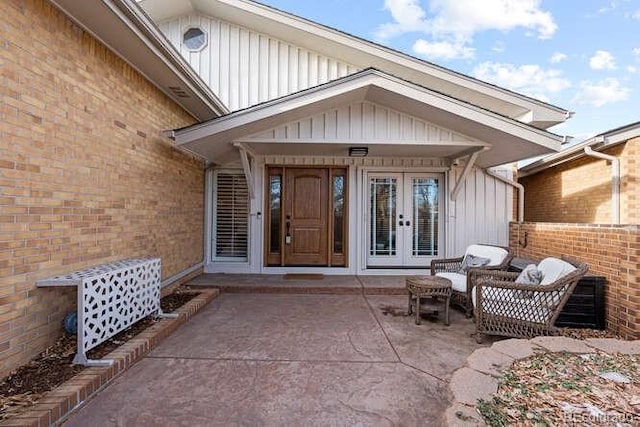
x: 435, y: 287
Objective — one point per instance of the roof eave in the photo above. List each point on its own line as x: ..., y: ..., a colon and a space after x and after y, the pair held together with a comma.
x: 227, y: 125
x: 599, y: 142
x: 543, y: 115
x: 127, y: 31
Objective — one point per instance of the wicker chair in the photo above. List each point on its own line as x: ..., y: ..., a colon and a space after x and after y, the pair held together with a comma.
x: 448, y: 267
x: 503, y: 307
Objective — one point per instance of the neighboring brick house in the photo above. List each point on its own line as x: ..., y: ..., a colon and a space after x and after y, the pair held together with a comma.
x: 573, y: 187
x: 569, y: 211
x: 86, y: 175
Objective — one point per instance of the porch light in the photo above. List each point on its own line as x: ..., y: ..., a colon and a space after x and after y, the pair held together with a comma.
x: 358, y: 151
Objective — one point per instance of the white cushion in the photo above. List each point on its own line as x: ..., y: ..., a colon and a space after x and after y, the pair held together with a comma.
x: 496, y: 255
x: 458, y: 281
x: 553, y: 268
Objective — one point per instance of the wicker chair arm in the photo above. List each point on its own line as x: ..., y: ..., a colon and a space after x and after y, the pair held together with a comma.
x: 505, y: 284
x: 445, y: 265
x: 477, y: 273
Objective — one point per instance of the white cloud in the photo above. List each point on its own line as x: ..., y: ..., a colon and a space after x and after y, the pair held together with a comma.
x: 602, y: 60
x: 454, y: 22
x: 529, y: 79
x: 607, y: 91
x: 631, y: 69
x: 636, y: 51
x: 443, y: 50
x: 557, y: 57
x: 636, y: 14
x: 407, y: 16
x: 470, y: 16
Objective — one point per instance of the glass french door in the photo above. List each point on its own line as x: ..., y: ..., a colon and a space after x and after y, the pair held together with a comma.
x: 403, y: 219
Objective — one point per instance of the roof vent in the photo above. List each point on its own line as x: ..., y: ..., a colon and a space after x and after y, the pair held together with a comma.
x: 179, y: 92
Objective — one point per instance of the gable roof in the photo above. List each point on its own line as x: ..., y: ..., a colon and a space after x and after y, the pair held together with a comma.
x: 500, y: 139
x: 125, y: 29
x: 599, y: 142
x: 364, y: 53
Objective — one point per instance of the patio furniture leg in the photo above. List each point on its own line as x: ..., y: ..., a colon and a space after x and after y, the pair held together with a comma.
x: 446, y: 311
x: 410, y: 308
x: 417, y: 310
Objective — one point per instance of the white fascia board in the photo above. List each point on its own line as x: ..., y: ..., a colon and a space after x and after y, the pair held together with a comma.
x: 284, y: 141
x: 360, y: 83
x: 333, y: 42
x: 276, y: 107
x: 599, y: 142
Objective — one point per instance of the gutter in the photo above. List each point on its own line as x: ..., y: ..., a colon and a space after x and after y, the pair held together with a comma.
x: 615, y: 181
x: 515, y: 184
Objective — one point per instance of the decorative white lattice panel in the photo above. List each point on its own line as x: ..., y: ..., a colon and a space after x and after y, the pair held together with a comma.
x: 116, y: 299
x: 111, y: 297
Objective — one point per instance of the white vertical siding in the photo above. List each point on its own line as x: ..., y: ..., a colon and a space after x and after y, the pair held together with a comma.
x: 481, y: 212
x: 245, y: 68
x: 363, y: 121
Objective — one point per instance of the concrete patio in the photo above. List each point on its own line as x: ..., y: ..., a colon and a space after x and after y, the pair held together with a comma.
x: 293, y: 359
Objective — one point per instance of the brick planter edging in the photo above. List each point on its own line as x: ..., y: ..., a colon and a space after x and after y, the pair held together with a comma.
x: 58, y: 403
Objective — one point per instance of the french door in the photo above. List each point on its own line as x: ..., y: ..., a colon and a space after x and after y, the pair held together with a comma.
x: 403, y: 219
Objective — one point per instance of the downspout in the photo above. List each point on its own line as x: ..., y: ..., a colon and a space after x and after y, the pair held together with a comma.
x: 515, y: 184
x: 615, y: 181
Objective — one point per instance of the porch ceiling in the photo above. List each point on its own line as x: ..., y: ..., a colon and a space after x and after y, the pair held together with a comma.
x: 501, y: 140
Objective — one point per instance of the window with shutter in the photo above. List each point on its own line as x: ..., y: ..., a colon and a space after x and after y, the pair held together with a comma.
x: 231, y: 217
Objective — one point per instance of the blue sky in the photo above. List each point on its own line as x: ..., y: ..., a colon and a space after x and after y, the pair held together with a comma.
x: 582, y: 55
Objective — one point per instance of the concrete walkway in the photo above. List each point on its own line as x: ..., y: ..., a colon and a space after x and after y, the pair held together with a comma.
x: 292, y: 359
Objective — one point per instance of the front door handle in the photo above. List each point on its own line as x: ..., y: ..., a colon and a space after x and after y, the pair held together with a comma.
x: 287, y: 236
x: 400, y: 223
x: 408, y: 224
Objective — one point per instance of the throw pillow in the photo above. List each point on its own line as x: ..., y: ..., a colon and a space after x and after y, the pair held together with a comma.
x: 472, y: 261
x: 530, y: 275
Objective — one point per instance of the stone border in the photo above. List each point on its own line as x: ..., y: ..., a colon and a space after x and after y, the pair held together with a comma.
x: 478, y: 379
x: 58, y: 403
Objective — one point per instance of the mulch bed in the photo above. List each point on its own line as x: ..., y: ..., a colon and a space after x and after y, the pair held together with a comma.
x: 52, y: 367
x: 568, y: 389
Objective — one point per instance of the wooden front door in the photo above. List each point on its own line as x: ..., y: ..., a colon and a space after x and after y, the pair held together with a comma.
x: 306, y: 197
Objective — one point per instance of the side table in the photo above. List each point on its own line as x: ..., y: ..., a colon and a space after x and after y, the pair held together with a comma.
x: 435, y: 287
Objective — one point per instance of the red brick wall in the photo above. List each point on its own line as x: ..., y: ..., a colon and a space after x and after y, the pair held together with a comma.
x: 86, y: 176
x: 611, y: 251
x: 579, y: 191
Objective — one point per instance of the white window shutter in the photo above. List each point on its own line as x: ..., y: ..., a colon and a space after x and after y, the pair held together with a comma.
x: 231, y: 222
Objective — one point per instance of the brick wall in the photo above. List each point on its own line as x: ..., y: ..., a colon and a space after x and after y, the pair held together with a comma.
x: 612, y: 251
x: 579, y: 191
x: 85, y: 175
